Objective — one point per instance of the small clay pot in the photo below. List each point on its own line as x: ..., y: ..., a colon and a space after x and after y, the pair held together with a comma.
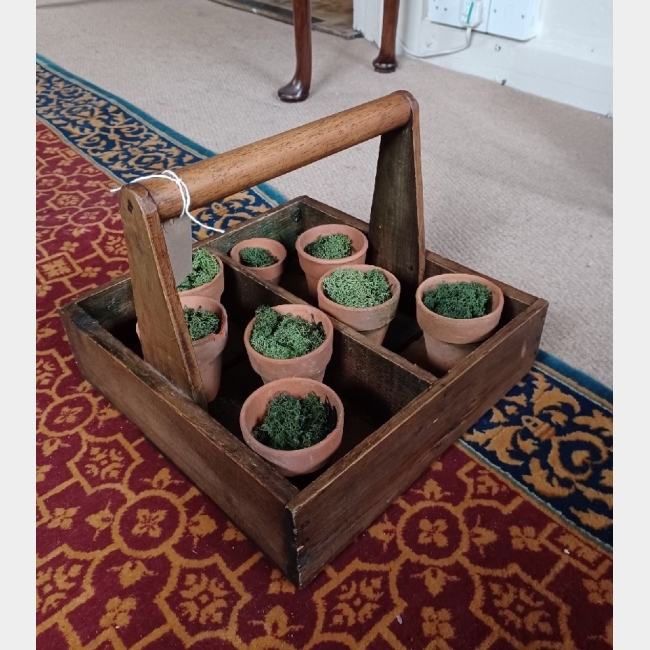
x: 311, y: 365
x: 212, y: 289
x: 372, y: 322
x: 209, y: 349
x: 314, y: 267
x: 449, y: 340
x: 298, y: 461
x: 271, y: 273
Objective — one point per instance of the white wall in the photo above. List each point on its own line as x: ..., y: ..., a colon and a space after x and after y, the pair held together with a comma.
x: 569, y: 61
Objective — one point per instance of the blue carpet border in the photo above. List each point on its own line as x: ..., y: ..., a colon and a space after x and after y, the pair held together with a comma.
x: 270, y: 192
x: 578, y: 376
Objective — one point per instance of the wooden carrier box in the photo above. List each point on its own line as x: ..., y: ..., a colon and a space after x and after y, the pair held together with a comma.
x: 399, y: 416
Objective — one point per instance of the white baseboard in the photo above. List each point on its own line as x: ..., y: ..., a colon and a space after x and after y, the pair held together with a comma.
x: 567, y: 75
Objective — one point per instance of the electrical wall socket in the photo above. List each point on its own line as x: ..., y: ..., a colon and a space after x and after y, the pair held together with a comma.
x: 516, y: 19
x: 447, y: 12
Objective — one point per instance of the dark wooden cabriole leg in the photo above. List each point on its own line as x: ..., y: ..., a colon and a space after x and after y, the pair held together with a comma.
x: 386, y: 61
x: 297, y: 90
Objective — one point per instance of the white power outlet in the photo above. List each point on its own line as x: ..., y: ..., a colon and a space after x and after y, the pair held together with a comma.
x: 445, y: 12
x: 448, y: 12
x: 516, y: 19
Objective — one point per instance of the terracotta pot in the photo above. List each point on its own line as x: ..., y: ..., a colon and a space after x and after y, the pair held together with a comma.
x: 311, y: 365
x: 298, y: 461
x: 449, y: 340
x: 314, y: 267
x: 209, y: 349
x: 271, y: 273
x: 372, y: 322
x: 212, y: 289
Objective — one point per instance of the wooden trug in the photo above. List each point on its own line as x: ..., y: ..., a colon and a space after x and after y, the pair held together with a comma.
x: 399, y: 416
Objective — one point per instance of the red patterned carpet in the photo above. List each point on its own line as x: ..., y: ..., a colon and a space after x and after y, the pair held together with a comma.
x: 484, y: 551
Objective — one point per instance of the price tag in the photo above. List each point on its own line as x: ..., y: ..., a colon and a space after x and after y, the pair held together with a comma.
x: 178, y: 237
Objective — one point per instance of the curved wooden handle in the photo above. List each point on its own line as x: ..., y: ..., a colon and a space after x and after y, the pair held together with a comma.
x: 224, y: 174
x: 396, y: 233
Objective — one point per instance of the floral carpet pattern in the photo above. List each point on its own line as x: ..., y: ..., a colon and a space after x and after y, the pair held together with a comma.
x: 505, y: 542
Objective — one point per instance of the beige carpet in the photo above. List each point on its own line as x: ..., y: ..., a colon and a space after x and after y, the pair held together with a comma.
x: 515, y: 186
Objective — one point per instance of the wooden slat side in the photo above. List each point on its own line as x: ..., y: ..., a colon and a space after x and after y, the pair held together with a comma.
x: 396, y: 235
x: 379, y: 377
x: 111, y: 304
x: 165, y: 339
x: 244, y: 486
x: 351, y: 494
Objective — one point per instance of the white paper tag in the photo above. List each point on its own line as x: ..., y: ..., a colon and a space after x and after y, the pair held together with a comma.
x: 178, y: 237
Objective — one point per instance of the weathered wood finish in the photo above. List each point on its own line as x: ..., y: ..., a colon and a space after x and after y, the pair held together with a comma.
x: 302, y: 528
x: 344, y: 501
x: 244, y: 486
x: 411, y: 416
x: 165, y: 339
x: 396, y: 232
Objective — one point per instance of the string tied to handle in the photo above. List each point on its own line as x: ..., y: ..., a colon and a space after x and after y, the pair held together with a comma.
x: 169, y: 175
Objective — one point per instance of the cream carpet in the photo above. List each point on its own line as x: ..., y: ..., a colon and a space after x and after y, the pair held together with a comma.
x: 515, y: 186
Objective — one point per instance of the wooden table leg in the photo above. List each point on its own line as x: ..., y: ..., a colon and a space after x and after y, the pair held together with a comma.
x: 386, y: 61
x: 297, y: 90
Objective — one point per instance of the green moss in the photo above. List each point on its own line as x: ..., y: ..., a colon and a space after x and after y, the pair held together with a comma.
x: 201, y: 322
x: 330, y: 247
x: 293, y: 423
x: 283, y: 336
x: 256, y: 257
x: 204, y: 269
x: 354, y: 288
x: 459, y: 299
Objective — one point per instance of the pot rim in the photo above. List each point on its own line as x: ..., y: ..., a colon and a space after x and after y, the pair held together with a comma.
x: 392, y: 280
x: 245, y: 243
x: 300, y: 245
x: 324, y: 319
x: 435, y: 280
x: 274, y: 388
